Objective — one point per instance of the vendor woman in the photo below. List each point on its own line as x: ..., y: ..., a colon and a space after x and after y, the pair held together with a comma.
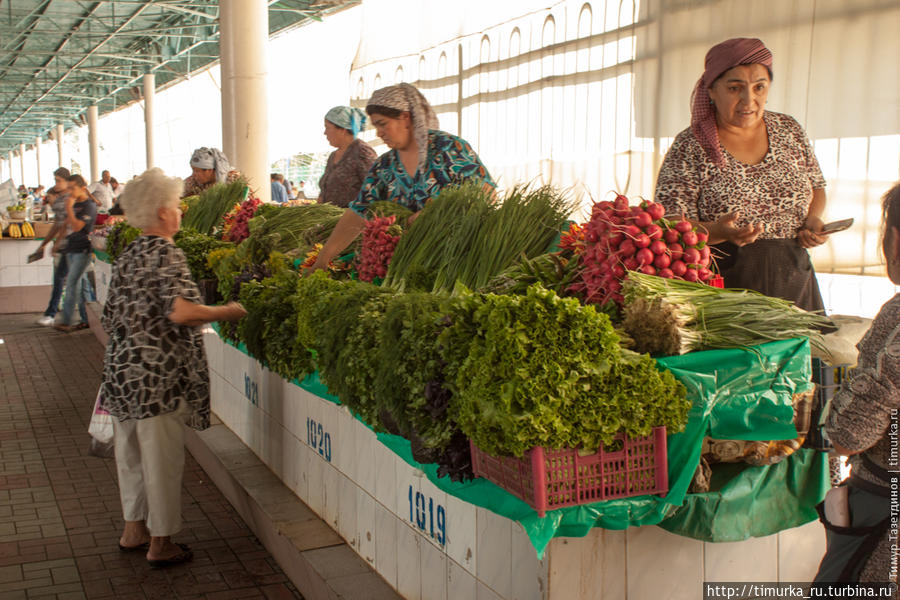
x: 749, y: 176
x: 421, y: 161
x: 209, y: 166
x: 348, y: 166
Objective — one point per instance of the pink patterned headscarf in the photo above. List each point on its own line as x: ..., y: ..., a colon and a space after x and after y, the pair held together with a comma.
x: 721, y: 57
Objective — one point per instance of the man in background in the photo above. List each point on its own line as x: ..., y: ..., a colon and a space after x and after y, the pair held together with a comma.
x: 102, y: 191
x: 279, y: 194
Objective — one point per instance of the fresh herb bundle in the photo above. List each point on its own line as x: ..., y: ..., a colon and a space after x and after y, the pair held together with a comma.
x: 196, y: 247
x: 207, y: 214
x: 120, y: 236
x: 668, y: 316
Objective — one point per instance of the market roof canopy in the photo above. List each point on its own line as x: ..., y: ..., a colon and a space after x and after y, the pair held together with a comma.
x: 57, y: 57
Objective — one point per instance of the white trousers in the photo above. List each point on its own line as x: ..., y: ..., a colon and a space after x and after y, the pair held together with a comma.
x: 150, y: 463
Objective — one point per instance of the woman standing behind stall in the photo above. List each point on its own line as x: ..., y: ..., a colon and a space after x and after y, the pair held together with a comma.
x: 422, y: 160
x: 863, y: 416
x: 347, y: 166
x: 749, y: 176
x: 155, y: 374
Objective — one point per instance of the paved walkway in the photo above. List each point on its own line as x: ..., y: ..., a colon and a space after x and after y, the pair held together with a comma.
x: 60, y: 517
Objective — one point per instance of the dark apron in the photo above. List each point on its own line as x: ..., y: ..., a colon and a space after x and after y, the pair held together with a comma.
x: 777, y: 268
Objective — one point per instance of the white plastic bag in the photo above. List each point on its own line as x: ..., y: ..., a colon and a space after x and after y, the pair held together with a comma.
x: 101, y: 427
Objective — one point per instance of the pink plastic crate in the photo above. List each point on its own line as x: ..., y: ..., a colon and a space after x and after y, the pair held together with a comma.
x: 550, y: 479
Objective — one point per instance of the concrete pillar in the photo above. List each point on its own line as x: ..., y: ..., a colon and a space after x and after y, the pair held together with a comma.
x: 226, y: 65
x: 60, y: 133
x: 37, y: 157
x: 245, y: 27
x: 9, y: 161
x: 149, y: 93
x: 22, y: 163
x: 94, y: 142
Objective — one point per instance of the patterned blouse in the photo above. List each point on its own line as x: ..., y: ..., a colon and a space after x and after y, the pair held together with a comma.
x: 864, y: 412
x: 450, y: 160
x: 151, y: 363
x: 342, y: 180
x: 775, y: 192
x: 193, y: 188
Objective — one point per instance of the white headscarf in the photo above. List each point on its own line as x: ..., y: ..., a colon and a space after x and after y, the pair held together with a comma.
x: 212, y: 158
x: 405, y: 97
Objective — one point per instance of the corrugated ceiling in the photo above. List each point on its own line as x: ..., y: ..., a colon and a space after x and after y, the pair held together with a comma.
x: 57, y: 57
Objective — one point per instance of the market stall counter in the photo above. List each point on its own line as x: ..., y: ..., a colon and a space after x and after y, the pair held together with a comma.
x: 24, y: 287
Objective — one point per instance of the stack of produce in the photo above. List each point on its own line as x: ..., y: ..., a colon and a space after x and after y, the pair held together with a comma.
x: 467, y: 236
x: 379, y: 239
x: 293, y: 228
x: 539, y: 370
x: 197, y: 247
x: 621, y: 238
x: 666, y: 316
x: 237, y: 221
x: 25, y: 230
x: 120, y: 236
x: 207, y: 213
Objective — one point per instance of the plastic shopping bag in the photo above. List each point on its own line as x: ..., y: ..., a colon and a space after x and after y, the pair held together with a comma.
x: 101, y: 430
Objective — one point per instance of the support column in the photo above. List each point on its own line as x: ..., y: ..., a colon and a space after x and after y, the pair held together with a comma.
x: 37, y: 157
x: 149, y: 94
x: 9, y: 161
x: 226, y: 66
x: 22, y: 163
x: 245, y: 27
x: 60, y: 133
x: 94, y: 143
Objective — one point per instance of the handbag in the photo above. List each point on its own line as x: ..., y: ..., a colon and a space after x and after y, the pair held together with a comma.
x: 101, y: 427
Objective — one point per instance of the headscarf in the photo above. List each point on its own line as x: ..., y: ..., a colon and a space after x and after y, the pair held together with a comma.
x: 346, y: 117
x: 212, y: 158
x: 721, y: 57
x: 407, y: 98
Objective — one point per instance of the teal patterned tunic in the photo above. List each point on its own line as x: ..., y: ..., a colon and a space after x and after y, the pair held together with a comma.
x: 450, y: 161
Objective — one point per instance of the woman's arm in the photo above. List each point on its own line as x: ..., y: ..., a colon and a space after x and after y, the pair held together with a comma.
x: 348, y: 227
x: 724, y: 230
x: 191, y: 314
x: 72, y: 221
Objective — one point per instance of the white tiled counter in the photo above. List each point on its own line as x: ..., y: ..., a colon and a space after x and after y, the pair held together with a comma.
x: 23, y: 287
x: 430, y: 545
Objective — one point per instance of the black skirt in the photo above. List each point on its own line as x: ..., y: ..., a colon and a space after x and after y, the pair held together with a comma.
x: 777, y: 268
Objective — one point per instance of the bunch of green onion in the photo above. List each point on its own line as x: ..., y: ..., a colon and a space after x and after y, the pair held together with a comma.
x: 669, y: 316
x: 467, y: 235
x: 207, y: 212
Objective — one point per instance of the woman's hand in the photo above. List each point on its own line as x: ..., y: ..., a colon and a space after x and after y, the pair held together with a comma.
x: 233, y: 311
x: 810, y: 235
x: 725, y: 230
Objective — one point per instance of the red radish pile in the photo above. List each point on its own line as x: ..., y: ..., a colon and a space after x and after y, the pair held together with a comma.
x: 379, y: 239
x: 236, y: 222
x: 621, y: 238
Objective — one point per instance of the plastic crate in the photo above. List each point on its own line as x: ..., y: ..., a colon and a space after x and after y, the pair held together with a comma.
x: 828, y: 379
x: 550, y: 479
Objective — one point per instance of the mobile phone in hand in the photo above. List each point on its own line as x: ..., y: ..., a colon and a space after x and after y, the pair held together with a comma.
x: 36, y: 255
x: 836, y: 226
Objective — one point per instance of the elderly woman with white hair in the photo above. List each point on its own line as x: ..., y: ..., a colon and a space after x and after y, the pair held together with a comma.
x: 155, y: 375
x: 422, y: 160
x: 209, y: 166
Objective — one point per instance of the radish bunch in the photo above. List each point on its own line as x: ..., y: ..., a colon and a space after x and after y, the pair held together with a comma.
x: 236, y: 222
x: 379, y: 239
x: 621, y: 238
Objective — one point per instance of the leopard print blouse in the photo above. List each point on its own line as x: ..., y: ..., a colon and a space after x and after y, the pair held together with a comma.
x: 776, y: 192
x: 152, y: 364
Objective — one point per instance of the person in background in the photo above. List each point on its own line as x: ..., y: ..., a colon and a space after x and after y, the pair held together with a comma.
x: 209, y: 166
x: 279, y: 194
x: 102, y: 191
x: 860, y: 424
x: 155, y: 375
x: 749, y: 177
x: 288, y: 188
x: 117, y: 188
x: 422, y: 160
x: 81, y: 214
x: 300, y: 194
x: 347, y: 166
x: 55, y: 200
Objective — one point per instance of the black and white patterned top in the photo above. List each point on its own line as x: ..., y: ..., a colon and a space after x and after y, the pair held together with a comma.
x: 151, y: 363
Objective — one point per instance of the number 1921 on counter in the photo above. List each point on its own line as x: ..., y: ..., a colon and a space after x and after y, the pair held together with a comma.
x: 428, y: 516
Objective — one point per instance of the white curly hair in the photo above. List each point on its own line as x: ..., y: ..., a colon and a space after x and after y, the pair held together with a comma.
x: 146, y: 194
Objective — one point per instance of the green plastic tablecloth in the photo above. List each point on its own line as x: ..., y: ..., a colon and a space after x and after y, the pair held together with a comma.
x: 736, y: 394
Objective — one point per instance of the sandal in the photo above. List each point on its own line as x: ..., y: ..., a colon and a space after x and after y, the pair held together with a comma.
x: 63, y: 328
x: 184, y: 556
x: 80, y: 326
x: 140, y: 547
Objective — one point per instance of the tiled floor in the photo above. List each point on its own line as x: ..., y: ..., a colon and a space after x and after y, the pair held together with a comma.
x: 60, y: 517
